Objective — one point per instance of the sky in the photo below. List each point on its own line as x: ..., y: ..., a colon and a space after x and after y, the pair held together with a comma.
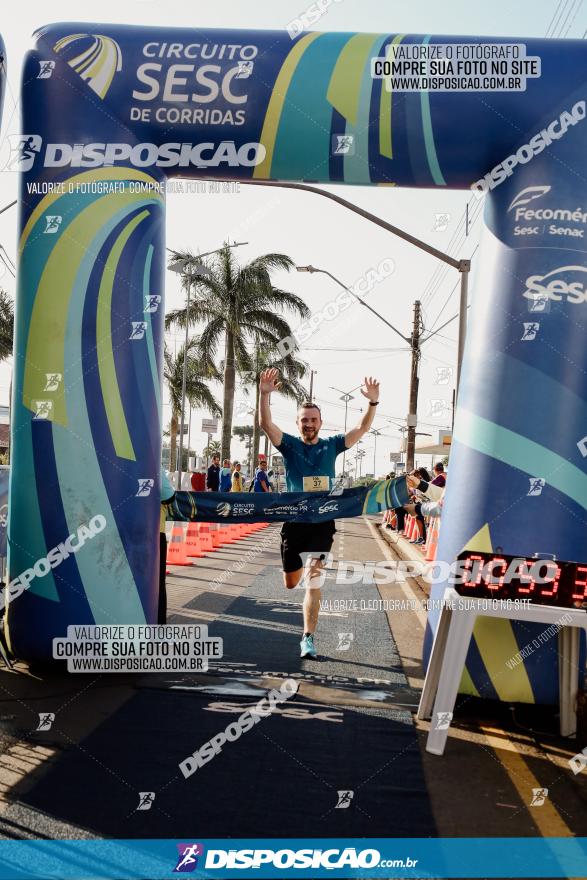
x: 312, y: 230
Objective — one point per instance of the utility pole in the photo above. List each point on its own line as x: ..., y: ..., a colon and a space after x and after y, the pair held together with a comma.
x: 413, y: 408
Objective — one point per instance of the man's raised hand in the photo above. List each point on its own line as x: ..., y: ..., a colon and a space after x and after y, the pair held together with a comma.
x: 370, y: 389
x: 268, y: 381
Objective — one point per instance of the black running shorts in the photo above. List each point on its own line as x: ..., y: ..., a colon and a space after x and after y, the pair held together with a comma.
x: 298, y: 538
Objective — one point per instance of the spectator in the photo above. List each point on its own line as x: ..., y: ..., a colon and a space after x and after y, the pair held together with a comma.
x: 213, y: 476
x: 439, y: 475
x: 261, y: 482
x: 237, y: 478
x: 225, y: 476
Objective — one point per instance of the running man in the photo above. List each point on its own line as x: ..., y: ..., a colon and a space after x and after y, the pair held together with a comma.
x: 309, y: 467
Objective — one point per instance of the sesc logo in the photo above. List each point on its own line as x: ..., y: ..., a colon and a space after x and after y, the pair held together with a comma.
x: 571, y: 286
x: 328, y: 507
x: 223, y: 509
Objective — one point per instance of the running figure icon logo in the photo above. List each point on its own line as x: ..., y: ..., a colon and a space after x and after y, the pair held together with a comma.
x: 539, y: 795
x: 46, y: 720
x: 53, y: 381
x: 343, y: 145
x: 53, y: 222
x: 530, y: 331
x: 46, y: 69
x: 24, y: 149
x: 344, y: 799
x: 344, y: 641
x: 188, y: 857
x: 443, y: 720
x: 145, y: 486
x: 138, y: 329
x: 537, y: 484
x: 146, y: 799
x: 152, y: 302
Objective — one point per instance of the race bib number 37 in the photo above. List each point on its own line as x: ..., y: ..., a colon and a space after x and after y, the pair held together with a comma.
x: 316, y: 484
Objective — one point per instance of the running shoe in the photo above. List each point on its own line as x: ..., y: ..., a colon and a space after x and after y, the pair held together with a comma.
x: 307, y: 647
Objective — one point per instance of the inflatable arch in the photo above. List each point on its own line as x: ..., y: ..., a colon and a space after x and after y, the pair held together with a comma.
x: 110, y: 112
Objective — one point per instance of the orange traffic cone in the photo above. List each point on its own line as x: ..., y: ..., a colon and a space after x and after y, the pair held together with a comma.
x: 205, y: 537
x: 176, y: 549
x: 430, y: 555
x: 192, y: 541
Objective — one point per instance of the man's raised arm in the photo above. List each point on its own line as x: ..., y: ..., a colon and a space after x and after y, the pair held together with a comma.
x: 268, y: 383
x: 370, y: 390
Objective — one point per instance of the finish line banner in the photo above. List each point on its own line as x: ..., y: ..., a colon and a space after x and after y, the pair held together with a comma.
x: 308, y: 507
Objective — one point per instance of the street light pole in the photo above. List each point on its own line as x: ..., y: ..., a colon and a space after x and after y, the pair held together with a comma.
x: 376, y: 435
x: 312, y: 270
x: 346, y: 397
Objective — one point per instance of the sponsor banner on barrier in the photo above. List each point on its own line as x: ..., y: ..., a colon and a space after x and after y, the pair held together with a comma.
x: 227, y: 507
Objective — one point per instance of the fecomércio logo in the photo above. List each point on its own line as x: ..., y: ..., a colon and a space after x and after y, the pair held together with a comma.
x: 188, y: 854
x: 528, y: 195
x: 564, y: 283
x: 98, y: 63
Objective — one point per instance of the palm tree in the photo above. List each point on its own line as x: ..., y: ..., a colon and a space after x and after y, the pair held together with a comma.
x: 238, y: 305
x: 213, y: 448
x: 291, y: 371
x: 197, y: 392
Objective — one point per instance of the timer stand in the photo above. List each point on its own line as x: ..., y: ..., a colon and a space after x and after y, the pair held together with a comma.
x: 449, y: 652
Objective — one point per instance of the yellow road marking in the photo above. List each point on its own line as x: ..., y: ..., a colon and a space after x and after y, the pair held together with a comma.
x: 547, y: 818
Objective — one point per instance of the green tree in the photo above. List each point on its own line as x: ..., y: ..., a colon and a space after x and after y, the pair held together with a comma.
x: 213, y: 448
x: 245, y: 435
x: 197, y: 391
x: 239, y: 306
x: 6, y: 325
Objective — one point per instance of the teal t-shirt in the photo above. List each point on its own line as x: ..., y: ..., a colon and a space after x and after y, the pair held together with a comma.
x: 310, y: 460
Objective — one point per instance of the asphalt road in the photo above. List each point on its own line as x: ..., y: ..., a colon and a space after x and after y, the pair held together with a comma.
x: 350, y: 727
